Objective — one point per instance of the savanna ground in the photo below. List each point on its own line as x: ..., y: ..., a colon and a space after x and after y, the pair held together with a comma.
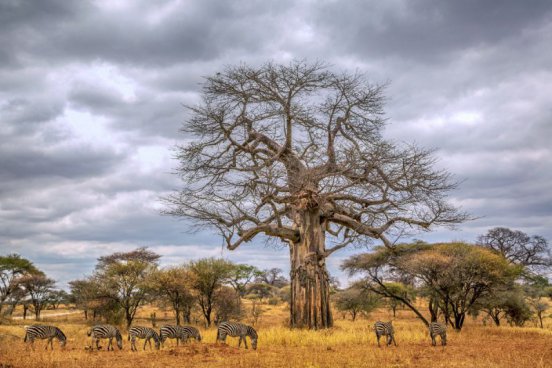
x: 348, y: 344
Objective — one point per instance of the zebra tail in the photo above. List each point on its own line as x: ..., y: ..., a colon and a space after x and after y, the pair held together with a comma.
x: 25, y: 339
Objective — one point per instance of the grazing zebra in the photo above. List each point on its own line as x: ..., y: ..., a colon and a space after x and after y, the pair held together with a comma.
x: 145, y: 333
x: 178, y: 333
x: 235, y: 329
x: 438, y: 329
x: 106, y: 332
x: 44, y: 332
x: 385, y: 329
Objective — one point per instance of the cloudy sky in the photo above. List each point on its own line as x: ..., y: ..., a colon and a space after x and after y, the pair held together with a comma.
x: 92, y: 95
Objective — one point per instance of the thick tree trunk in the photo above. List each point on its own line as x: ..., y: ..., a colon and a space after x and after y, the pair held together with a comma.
x: 433, y: 309
x: 459, y: 320
x: 310, y: 288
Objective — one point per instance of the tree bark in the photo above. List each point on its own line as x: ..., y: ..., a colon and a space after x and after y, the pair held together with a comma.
x: 433, y: 309
x: 459, y: 320
x: 310, y: 288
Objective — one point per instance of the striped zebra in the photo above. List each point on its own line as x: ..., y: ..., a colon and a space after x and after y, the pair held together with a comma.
x: 145, y: 333
x: 385, y: 329
x: 179, y: 333
x: 235, y: 329
x: 106, y: 332
x: 438, y: 329
x: 44, y: 332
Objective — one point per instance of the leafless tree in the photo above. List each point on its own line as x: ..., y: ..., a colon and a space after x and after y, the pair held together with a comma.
x: 518, y: 247
x: 295, y: 152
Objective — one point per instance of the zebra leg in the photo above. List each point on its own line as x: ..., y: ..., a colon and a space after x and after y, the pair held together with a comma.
x: 239, y: 342
x: 378, y: 337
x: 433, y: 342
x: 394, y: 342
x: 97, y: 344
x: 245, y: 342
x: 110, y: 344
x: 145, y: 343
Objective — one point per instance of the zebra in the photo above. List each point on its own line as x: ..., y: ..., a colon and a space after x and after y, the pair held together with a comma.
x: 178, y: 333
x: 44, y: 332
x: 106, y: 332
x: 385, y: 329
x: 235, y: 329
x: 145, y: 333
x: 438, y: 329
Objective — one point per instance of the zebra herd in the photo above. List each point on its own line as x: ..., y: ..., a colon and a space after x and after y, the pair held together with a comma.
x: 183, y: 333
x: 108, y: 332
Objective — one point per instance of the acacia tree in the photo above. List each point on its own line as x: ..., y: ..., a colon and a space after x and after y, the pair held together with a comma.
x: 356, y: 300
x: 12, y: 268
x: 241, y: 276
x: 295, y: 152
x: 85, y: 294
x: 455, y: 275
x: 123, y: 277
x: 173, y: 284
x: 39, y: 288
x: 208, y: 276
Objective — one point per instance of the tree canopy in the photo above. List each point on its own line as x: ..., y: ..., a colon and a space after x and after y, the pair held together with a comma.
x: 454, y: 275
x: 295, y: 152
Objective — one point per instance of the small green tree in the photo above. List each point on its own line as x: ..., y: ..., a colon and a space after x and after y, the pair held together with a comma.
x: 226, y: 305
x: 173, y: 285
x: 356, y: 300
x: 537, y: 290
x: 124, y: 278
x: 85, y: 293
x: 12, y: 268
x: 240, y: 276
x: 39, y: 288
x: 208, y: 276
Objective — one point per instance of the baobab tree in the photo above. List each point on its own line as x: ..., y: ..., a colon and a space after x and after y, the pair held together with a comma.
x: 295, y: 152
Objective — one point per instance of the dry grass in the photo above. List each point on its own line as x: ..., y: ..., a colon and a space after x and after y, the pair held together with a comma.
x: 347, y: 345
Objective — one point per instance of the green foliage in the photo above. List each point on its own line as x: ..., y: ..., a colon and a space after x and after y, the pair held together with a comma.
x: 173, y: 285
x: 208, y: 276
x: 356, y: 300
x: 241, y: 275
x: 13, y: 268
x: 39, y: 288
x: 123, y: 278
x: 453, y: 275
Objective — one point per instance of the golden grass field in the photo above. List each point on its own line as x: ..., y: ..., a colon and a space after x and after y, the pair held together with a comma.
x: 348, y: 344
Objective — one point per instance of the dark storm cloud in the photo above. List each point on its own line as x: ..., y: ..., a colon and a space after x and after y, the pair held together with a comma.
x: 92, y: 96
x: 65, y: 163
x: 425, y: 31
x: 143, y: 33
